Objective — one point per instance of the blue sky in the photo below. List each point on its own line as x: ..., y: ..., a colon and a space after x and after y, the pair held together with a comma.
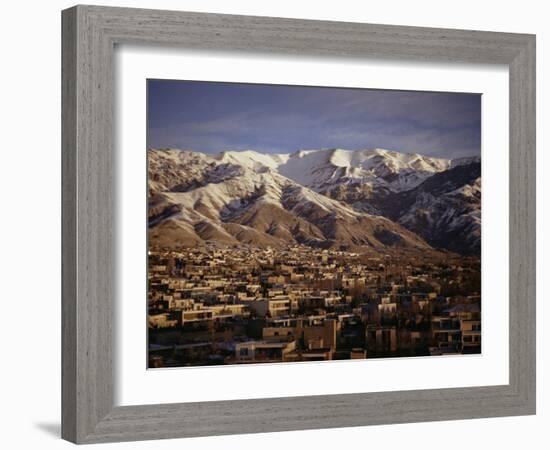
x: 212, y: 117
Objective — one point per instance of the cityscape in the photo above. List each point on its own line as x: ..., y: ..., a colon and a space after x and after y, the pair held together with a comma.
x: 229, y: 306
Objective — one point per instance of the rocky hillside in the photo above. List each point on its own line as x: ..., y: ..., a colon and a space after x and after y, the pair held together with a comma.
x: 233, y: 199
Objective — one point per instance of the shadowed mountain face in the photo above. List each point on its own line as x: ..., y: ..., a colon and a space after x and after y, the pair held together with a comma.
x: 445, y: 209
x: 374, y: 199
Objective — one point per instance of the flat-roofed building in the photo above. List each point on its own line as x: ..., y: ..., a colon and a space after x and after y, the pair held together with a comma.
x: 278, y: 333
x: 163, y: 320
x: 274, y: 307
x: 321, y: 336
x: 446, y: 331
x: 262, y: 351
x: 471, y: 335
x: 381, y: 339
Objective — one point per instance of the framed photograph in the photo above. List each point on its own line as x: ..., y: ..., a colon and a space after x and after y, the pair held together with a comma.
x: 277, y: 224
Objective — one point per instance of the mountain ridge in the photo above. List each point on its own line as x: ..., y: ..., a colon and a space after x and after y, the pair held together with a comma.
x: 237, y: 197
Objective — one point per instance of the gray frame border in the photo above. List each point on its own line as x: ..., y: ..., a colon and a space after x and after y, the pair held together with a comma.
x: 89, y: 34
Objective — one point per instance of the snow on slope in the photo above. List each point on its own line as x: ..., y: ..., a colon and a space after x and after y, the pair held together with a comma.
x: 314, y: 196
x: 445, y: 209
x: 387, y: 169
x: 253, y: 160
x: 240, y: 196
x: 465, y: 161
x: 323, y: 168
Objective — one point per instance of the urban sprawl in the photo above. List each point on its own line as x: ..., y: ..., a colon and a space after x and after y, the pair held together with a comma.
x: 211, y: 305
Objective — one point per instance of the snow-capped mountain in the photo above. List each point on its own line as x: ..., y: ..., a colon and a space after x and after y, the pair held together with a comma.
x: 396, y: 172
x: 232, y: 199
x: 325, y: 168
x: 351, y: 176
x: 253, y: 160
x: 465, y: 161
x: 325, y: 198
x: 445, y: 209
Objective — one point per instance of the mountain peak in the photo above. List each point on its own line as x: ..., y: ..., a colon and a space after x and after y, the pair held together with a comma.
x: 322, y: 169
x: 253, y: 160
x: 325, y: 197
x: 465, y: 160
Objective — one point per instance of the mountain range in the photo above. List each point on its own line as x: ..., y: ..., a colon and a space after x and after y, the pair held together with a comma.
x: 328, y: 198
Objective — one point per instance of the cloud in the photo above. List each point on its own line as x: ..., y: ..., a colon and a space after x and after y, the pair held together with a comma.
x: 216, y: 116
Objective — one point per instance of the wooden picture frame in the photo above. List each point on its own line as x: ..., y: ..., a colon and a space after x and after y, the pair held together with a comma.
x: 90, y: 34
